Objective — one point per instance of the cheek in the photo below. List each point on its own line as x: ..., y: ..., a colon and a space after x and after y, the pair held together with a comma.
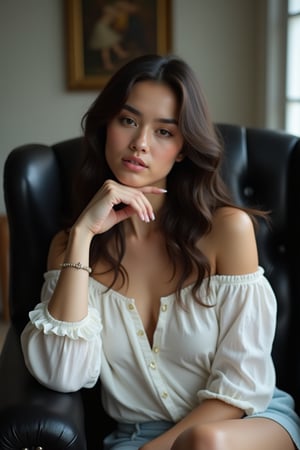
x: 114, y: 142
x: 111, y: 137
x: 172, y: 154
x: 172, y: 150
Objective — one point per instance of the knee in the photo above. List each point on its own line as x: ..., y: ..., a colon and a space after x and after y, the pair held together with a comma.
x: 201, y: 437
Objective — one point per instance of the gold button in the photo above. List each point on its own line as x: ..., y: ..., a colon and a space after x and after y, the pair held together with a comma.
x: 164, y: 308
x: 156, y: 349
x: 164, y: 394
x: 140, y: 333
x: 130, y: 306
x: 153, y: 365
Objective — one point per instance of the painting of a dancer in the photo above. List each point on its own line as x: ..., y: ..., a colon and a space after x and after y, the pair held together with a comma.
x: 111, y: 33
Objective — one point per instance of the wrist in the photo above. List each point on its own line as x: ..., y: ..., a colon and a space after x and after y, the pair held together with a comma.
x: 77, y: 266
x: 78, y: 248
x: 81, y: 234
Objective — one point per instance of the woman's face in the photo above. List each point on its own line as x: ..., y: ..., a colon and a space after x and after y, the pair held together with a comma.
x: 143, y: 140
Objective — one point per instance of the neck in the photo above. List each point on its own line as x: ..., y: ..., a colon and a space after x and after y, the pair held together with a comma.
x: 137, y: 229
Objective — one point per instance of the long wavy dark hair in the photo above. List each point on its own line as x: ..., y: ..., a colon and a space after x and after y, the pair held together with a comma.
x: 195, y: 187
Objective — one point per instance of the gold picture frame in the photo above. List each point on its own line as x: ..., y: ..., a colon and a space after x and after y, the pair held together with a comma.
x: 103, y: 35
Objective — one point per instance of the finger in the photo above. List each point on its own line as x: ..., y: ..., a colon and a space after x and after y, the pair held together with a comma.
x: 124, y: 213
x: 140, y: 204
x: 153, y: 190
x: 142, y: 207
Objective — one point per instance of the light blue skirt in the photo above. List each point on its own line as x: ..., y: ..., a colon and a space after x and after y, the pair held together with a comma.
x: 282, y: 410
x: 133, y: 436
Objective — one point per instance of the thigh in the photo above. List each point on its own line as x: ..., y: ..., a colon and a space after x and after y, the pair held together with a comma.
x: 246, y: 434
x: 258, y: 434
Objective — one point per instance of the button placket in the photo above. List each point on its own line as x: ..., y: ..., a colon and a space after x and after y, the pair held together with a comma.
x: 161, y: 386
x: 152, y: 355
x: 131, y: 306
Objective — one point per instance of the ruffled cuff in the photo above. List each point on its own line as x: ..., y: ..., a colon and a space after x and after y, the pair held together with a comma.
x: 88, y: 328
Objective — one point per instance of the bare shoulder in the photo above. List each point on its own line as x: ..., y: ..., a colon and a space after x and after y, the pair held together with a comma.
x: 57, y: 250
x: 232, y: 220
x: 235, y: 242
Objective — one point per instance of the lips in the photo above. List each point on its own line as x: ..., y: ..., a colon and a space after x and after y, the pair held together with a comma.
x: 135, y: 161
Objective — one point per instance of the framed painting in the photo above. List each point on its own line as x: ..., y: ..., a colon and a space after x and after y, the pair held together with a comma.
x: 102, y: 35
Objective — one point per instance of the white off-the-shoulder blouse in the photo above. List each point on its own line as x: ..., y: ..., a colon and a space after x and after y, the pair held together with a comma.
x: 221, y: 352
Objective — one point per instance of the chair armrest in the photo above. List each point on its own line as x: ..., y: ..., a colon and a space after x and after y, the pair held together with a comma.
x: 32, y: 415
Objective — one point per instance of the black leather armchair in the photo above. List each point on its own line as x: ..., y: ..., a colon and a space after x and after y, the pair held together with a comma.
x: 262, y: 168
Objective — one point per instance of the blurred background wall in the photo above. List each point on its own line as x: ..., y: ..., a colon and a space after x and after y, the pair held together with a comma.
x: 224, y: 41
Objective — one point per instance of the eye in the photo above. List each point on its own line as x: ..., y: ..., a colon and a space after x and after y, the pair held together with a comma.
x: 165, y: 133
x: 127, y: 121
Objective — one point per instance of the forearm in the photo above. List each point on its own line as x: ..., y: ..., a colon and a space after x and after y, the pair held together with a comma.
x: 69, y: 301
x: 208, y: 411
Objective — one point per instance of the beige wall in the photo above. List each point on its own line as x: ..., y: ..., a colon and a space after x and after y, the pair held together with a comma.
x: 222, y: 39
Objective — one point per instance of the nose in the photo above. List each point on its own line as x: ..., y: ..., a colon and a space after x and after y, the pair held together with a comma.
x: 141, y: 141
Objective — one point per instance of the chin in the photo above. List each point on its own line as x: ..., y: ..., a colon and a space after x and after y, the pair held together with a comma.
x: 130, y: 181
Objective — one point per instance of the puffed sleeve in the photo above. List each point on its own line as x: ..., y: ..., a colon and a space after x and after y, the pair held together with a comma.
x: 242, y: 372
x: 64, y: 356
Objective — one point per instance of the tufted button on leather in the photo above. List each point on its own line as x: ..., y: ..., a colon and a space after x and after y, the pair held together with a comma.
x: 36, y: 448
x: 281, y: 248
x: 248, y: 191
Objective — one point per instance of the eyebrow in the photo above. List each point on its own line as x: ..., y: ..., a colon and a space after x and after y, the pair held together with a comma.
x: 138, y: 113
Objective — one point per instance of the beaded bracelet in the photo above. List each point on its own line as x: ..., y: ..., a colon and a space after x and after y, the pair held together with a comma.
x: 77, y: 266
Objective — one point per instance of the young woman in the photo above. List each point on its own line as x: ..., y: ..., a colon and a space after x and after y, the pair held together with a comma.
x: 156, y: 285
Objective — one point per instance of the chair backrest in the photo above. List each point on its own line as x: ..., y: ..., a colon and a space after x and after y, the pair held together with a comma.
x: 262, y: 169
